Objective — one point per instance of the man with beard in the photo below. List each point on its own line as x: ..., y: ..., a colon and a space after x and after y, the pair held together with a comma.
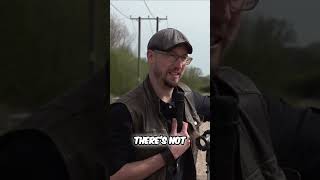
x: 265, y: 138
x: 150, y: 109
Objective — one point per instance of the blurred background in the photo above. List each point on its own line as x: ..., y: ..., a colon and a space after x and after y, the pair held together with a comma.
x: 278, y: 47
x: 47, y: 48
x: 190, y: 17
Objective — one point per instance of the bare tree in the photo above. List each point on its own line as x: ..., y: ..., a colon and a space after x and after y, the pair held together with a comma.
x: 119, y: 34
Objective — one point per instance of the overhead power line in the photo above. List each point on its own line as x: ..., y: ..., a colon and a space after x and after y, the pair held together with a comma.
x: 139, y: 37
x: 145, y: 3
x: 119, y: 11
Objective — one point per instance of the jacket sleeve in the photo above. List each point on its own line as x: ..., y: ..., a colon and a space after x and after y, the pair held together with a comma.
x: 121, y: 149
x: 296, y: 137
x: 202, y: 105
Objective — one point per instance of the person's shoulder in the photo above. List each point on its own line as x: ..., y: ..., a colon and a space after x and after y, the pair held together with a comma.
x: 235, y: 79
x: 87, y: 96
x: 120, y: 112
x: 184, y: 87
x: 118, y: 107
x: 134, y: 102
x: 131, y: 95
x: 229, y: 71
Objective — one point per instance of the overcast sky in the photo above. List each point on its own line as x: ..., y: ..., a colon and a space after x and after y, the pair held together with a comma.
x: 192, y: 18
x: 303, y: 15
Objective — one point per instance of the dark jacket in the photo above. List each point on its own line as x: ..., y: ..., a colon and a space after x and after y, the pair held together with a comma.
x: 243, y: 148
x: 76, y: 124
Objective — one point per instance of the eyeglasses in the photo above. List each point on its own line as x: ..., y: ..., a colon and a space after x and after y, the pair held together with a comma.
x: 242, y: 5
x: 174, y: 58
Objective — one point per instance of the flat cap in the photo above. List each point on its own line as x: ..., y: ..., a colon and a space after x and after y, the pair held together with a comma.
x: 167, y: 39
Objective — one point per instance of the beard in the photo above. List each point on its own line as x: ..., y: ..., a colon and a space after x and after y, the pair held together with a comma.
x: 170, y: 84
x: 164, y: 79
x: 225, y: 31
x: 223, y: 37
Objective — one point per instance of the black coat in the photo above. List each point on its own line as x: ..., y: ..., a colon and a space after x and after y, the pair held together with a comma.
x: 293, y: 132
x: 71, y: 129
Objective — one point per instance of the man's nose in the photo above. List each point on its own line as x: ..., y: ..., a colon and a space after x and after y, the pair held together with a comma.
x: 227, y: 12
x: 179, y: 63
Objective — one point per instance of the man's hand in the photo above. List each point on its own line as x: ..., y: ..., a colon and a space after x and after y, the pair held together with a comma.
x: 178, y: 150
x: 142, y: 169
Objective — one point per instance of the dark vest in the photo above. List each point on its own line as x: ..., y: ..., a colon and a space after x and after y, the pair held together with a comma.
x: 76, y: 123
x: 253, y: 148
x: 144, y: 107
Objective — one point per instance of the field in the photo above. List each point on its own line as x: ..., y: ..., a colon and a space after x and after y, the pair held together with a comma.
x: 201, y: 162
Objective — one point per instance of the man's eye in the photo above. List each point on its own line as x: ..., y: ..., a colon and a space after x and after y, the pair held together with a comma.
x: 175, y: 56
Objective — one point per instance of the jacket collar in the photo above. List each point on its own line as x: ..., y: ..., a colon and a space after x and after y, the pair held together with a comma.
x: 151, y: 94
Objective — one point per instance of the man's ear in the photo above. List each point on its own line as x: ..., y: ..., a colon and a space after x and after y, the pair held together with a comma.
x: 150, y: 56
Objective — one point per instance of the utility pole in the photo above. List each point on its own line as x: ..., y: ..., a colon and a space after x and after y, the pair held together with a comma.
x: 92, y: 18
x: 157, y: 24
x: 139, y: 45
x: 139, y: 37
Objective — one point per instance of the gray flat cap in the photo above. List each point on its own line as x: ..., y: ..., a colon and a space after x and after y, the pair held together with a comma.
x: 167, y: 39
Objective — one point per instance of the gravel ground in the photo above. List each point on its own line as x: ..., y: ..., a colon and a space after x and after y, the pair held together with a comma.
x: 201, y: 162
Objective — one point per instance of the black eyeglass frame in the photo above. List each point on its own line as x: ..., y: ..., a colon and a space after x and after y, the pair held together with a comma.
x: 246, y: 6
x: 187, y: 60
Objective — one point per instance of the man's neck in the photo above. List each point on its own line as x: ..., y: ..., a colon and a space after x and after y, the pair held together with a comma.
x: 162, y: 91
